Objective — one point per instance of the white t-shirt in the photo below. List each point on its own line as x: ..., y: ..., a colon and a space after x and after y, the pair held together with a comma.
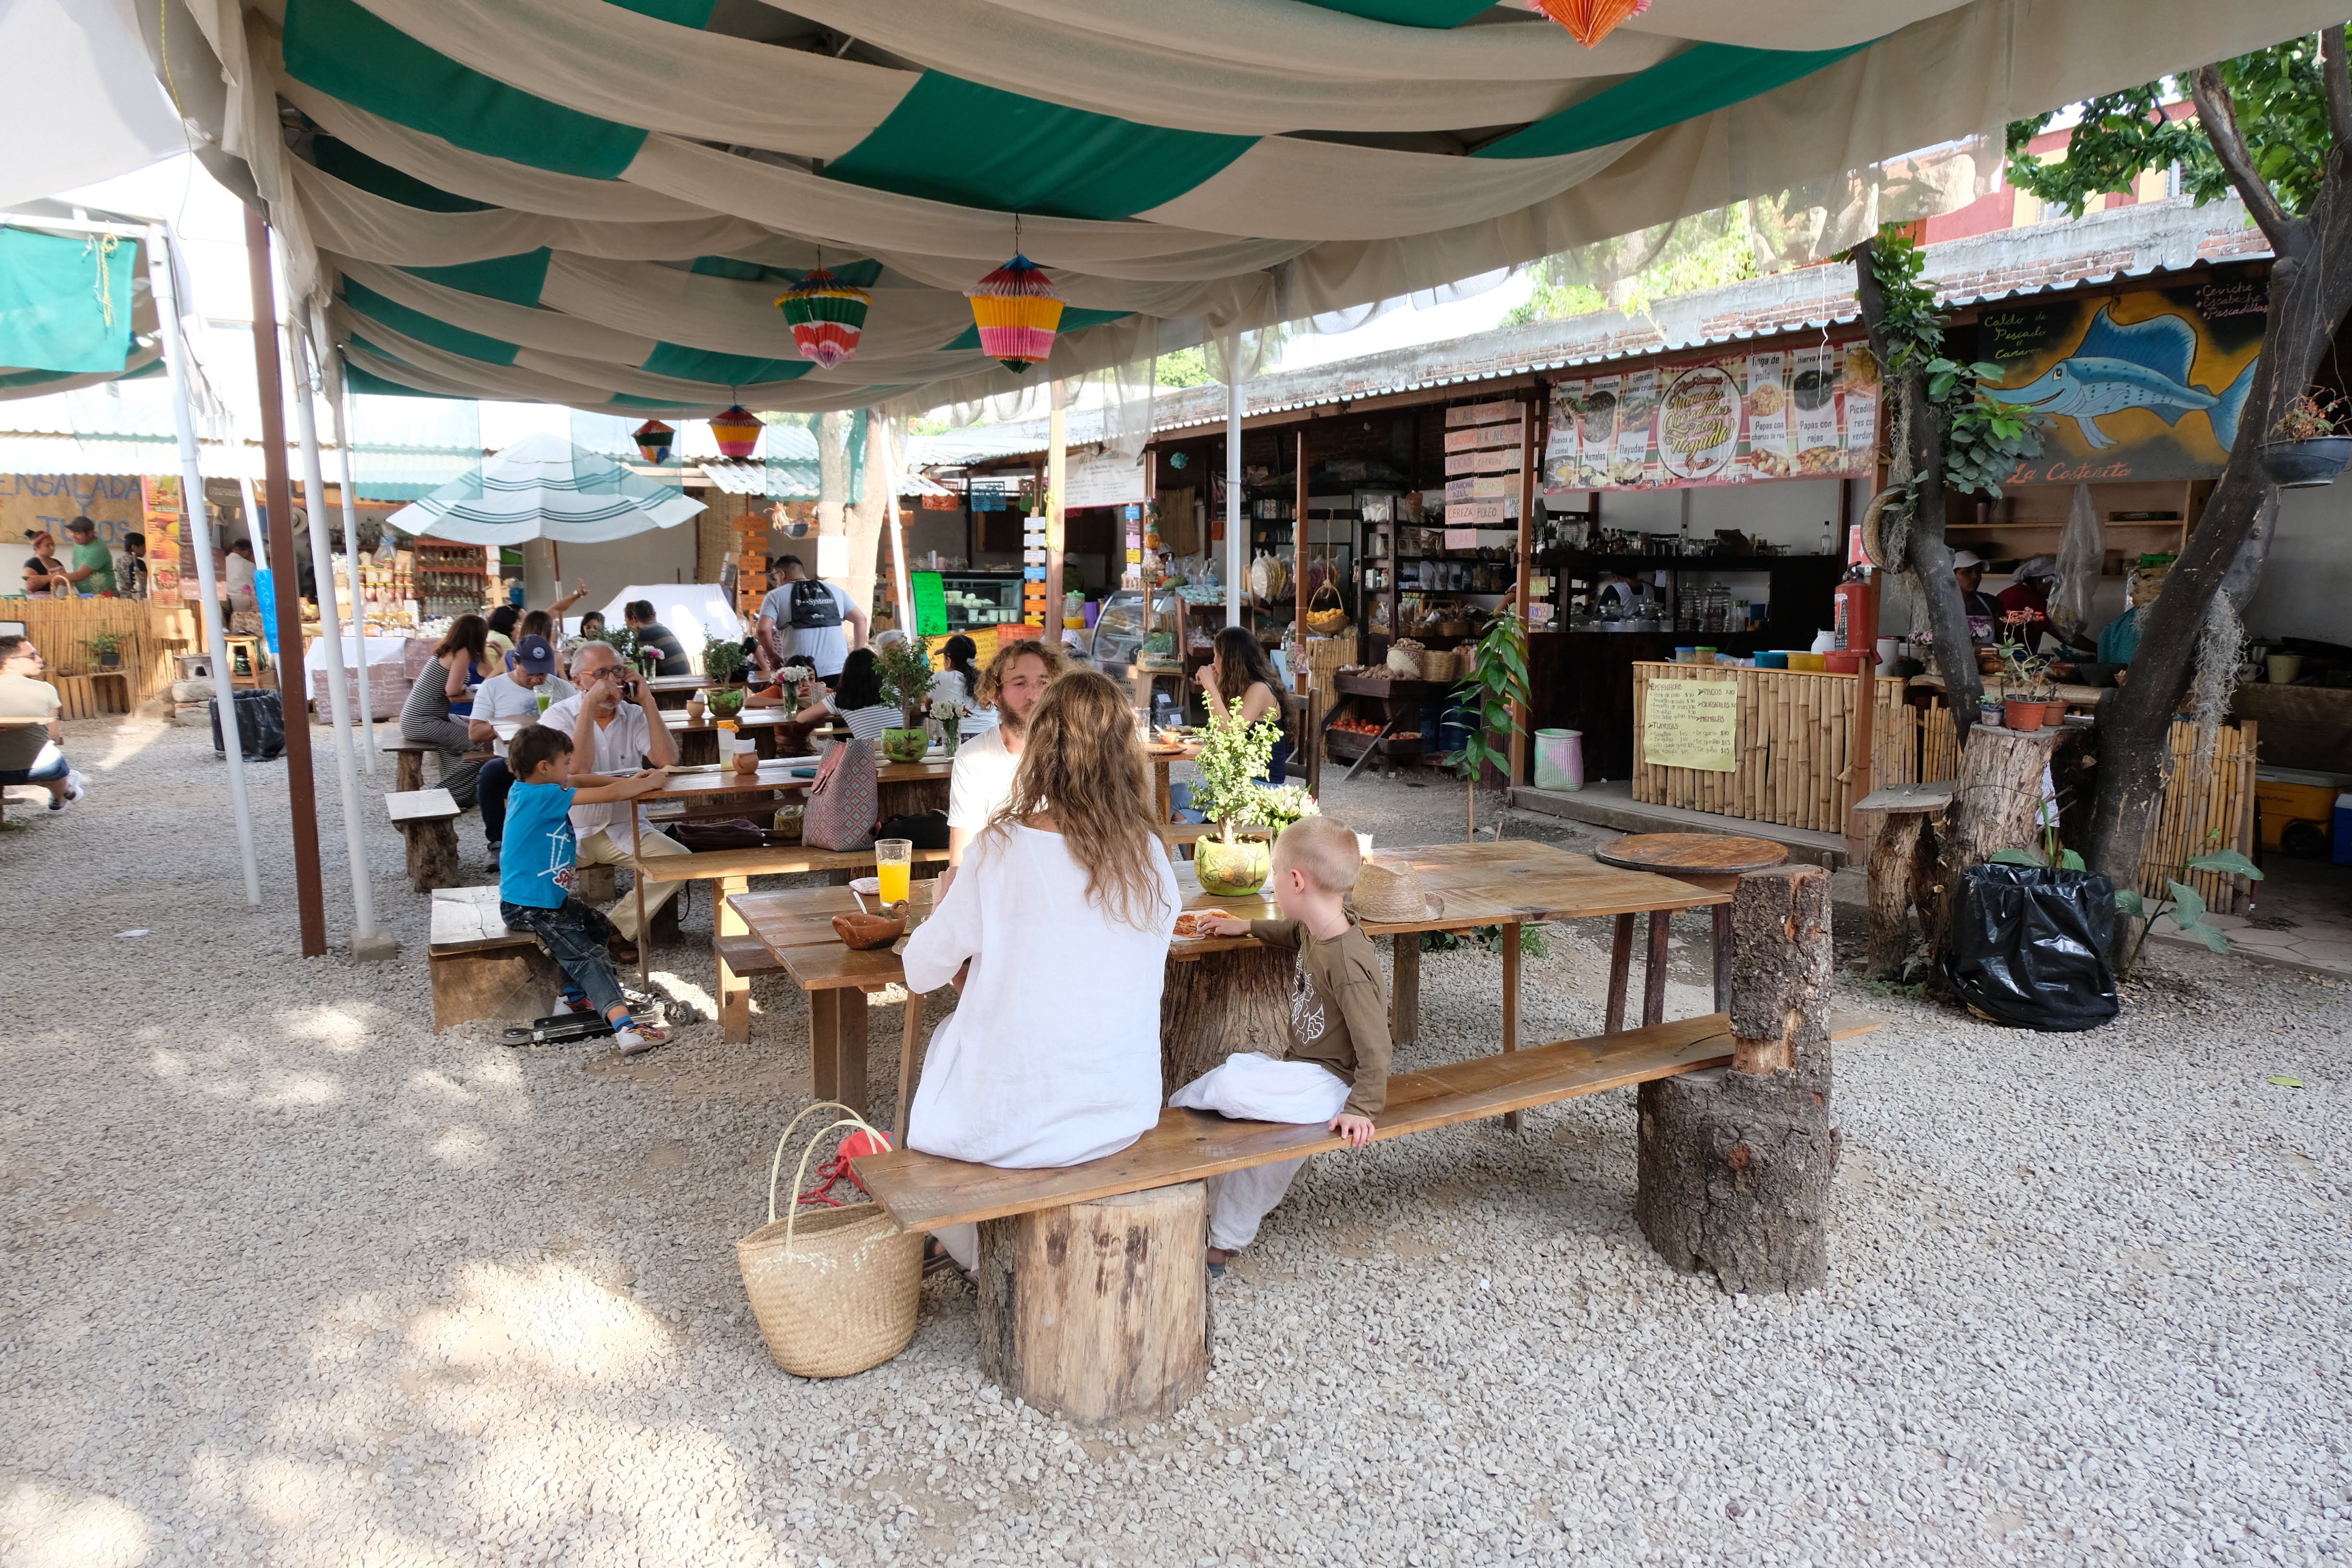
x: 981, y: 780
x: 823, y: 648
x: 621, y: 749
x: 240, y: 582
x: 504, y: 697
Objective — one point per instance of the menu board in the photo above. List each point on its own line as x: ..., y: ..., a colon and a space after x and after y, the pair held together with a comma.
x: 1691, y: 725
x: 1809, y: 412
x: 164, y: 518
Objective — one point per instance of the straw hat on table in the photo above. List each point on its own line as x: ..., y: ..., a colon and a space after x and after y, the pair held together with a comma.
x: 1385, y: 893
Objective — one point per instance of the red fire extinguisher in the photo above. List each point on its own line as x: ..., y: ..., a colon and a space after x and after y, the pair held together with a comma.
x: 1856, y: 623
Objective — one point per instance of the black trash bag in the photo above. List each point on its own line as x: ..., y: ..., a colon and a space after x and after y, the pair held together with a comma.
x: 260, y: 725
x: 2030, y: 946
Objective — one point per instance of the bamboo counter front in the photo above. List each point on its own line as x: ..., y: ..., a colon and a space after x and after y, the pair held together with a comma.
x: 1791, y: 745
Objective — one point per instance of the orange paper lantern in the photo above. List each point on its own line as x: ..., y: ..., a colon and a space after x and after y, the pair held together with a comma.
x: 1589, y: 21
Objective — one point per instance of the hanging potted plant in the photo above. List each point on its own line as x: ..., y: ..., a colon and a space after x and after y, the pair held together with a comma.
x: 905, y: 672
x: 108, y: 646
x: 2307, y: 447
x: 1230, y: 792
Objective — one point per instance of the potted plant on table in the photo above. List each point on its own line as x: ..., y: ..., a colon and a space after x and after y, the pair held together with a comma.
x: 723, y: 663
x: 108, y: 646
x: 1229, y: 792
x: 2026, y: 702
x: 2308, y: 446
x: 906, y: 671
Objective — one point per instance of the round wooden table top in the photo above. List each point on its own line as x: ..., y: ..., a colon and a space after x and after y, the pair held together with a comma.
x: 1686, y: 854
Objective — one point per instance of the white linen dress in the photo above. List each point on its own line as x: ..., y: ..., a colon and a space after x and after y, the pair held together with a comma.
x: 1051, y: 1057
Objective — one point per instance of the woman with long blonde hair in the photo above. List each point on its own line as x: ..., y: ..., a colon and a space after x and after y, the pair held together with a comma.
x: 1063, y: 911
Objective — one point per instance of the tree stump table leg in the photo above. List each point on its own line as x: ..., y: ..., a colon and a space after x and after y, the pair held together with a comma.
x: 1099, y: 1311
x: 1736, y: 1165
x: 410, y: 773
x: 1654, y: 972
x: 1220, y: 1002
x: 1893, y: 848
x: 1621, y: 964
x: 431, y: 853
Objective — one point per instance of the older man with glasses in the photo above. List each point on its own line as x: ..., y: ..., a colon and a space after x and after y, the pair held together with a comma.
x: 31, y: 740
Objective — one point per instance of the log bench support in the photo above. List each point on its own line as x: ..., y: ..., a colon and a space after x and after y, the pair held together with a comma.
x: 428, y: 819
x: 1099, y: 1311
x: 480, y: 969
x: 1735, y: 1162
x: 1901, y: 866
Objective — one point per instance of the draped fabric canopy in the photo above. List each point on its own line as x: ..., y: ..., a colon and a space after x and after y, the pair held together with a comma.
x: 596, y: 202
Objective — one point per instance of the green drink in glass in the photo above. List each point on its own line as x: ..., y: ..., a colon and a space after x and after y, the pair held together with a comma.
x: 544, y: 698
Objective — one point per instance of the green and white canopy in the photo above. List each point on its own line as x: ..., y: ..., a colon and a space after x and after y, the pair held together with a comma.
x: 543, y: 487
x: 595, y: 202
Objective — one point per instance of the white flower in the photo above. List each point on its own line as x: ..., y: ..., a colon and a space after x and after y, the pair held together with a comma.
x: 947, y: 708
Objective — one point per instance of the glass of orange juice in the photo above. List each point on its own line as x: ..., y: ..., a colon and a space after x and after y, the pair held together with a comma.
x: 893, y: 866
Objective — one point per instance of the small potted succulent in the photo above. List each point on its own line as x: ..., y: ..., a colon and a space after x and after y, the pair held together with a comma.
x: 2308, y: 446
x: 108, y: 646
x: 1233, y: 760
x: 906, y: 671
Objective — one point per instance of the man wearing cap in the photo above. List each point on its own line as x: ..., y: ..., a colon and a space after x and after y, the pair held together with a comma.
x: 512, y: 696
x: 1967, y: 571
x: 90, y: 565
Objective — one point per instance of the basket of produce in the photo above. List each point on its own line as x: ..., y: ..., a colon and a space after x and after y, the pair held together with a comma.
x: 1404, y: 658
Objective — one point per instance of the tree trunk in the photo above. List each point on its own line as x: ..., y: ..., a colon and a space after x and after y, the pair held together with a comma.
x: 1997, y: 806
x: 1736, y: 1165
x: 1894, y: 849
x: 1927, y: 556
x: 1099, y: 1311
x: 2310, y: 290
x: 1220, y: 1002
x: 831, y: 429
x: 866, y: 521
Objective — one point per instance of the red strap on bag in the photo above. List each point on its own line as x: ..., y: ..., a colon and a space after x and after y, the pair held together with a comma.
x: 857, y: 1145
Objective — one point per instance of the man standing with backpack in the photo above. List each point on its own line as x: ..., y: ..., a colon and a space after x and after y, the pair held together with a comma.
x: 809, y: 621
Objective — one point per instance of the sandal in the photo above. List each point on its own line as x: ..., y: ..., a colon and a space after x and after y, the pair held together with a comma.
x: 621, y: 952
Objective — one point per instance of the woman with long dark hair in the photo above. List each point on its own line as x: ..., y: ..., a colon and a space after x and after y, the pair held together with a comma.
x: 1065, y: 895
x: 855, y: 700
x: 960, y: 682
x: 1240, y: 679
x: 435, y: 715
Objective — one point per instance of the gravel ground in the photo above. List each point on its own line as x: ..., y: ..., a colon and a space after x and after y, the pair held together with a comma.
x: 290, y: 1279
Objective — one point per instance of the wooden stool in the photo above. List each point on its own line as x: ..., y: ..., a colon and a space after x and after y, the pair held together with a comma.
x: 245, y: 662
x: 1705, y: 860
x: 1904, y: 812
x: 428, y: 818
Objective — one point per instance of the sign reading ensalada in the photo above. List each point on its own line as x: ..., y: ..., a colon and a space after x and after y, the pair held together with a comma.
x: 1808, y: 412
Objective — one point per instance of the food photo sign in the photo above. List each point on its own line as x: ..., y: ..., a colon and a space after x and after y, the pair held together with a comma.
x: 1789, y: 413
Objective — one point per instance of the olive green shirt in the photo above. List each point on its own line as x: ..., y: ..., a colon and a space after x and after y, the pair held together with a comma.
x: 1339, y: 1018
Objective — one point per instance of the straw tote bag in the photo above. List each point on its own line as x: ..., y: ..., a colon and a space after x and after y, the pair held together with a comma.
x: 845, y: 800
x: 833, y: 1292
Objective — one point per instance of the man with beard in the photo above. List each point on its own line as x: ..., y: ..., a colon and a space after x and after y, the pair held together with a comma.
x: 1015, y: 678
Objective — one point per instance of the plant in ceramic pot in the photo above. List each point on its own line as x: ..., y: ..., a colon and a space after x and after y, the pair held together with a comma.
x: 108, y: 646
x: 723, y: 661
x: 2025, y: 705
x: 1229, y: 792
x: 906, y: 671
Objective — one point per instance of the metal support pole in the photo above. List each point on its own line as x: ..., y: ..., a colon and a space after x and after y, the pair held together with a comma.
x: 1234, y: 560
x: 366, y: 944
x: 301, y: 790
x: 352, y: 570
x: 192, y: 486
x: 1058, y: 474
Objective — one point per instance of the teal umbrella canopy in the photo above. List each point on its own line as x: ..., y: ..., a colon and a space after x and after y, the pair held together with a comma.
x: 543, y: 487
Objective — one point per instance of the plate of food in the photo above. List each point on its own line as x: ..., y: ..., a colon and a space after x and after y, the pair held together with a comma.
x: 1188, y: 926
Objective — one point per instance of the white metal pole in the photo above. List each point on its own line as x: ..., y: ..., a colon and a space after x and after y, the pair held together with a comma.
x: 892, y: 452
x: 1235, y: 562
x: 352, y: 570
x: 365, y: 945
x: 192, y: 484
x: 256, y: 534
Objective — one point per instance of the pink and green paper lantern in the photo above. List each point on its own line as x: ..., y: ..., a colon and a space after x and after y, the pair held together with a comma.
x: 826, y: 316
x: 737, y: 431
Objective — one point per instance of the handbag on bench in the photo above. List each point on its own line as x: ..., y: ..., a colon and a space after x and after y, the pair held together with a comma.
x: 844, y: 801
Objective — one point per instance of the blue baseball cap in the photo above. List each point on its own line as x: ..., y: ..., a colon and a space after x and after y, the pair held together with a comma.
x: 533, y: 656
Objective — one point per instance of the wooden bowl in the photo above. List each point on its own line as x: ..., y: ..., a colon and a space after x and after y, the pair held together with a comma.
x: 864, y: 933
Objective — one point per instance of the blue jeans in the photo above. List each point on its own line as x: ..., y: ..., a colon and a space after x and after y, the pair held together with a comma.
x: 39, y: 773
x: 575, y: 936
x: 491, y: 787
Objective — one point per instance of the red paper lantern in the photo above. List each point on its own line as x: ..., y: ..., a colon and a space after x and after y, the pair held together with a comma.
x: 736, y: 430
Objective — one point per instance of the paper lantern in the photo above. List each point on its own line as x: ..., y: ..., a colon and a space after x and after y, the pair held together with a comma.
x: 737, y: 431
x: 1589, y: 21
x: 1018, y: 309
x: 826, y: 316
x: 653, y: 439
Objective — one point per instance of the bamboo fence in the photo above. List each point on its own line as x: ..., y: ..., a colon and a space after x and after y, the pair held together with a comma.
x: 2207, y: 806
x: 152, y: 630
x: 1790, y: 740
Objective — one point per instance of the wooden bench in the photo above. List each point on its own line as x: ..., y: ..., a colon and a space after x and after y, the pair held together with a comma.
x: 479, y: 968
x: 408, y: 769
x: 428, y: 819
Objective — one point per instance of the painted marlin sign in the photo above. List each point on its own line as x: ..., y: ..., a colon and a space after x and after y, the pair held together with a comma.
x: 2145, y: 385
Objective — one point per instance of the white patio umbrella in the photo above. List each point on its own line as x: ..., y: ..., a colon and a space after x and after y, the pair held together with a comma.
x: 543, y: 487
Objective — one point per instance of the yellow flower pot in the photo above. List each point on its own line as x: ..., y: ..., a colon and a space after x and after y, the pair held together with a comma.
x: 1230, y: 871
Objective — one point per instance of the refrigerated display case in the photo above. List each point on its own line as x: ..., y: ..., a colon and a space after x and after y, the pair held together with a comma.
x: 1143, y: 667
x: 976, y: 599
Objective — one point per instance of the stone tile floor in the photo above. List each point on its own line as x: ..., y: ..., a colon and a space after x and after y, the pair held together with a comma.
x: 2302, y: 915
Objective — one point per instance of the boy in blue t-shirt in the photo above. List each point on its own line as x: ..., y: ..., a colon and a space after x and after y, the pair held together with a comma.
x: 536, y: 872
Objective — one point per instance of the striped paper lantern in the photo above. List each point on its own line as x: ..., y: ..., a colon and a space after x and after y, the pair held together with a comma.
x: 1589, y: 21
x: 737, y: 431
x: 653, y: 439
x: 1018, y: 309
x: 827, y: 316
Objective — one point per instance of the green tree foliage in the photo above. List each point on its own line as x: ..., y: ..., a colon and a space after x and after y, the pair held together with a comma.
x: 1186, y: 367
x: 1682, y: 265
x: 2282, y: 106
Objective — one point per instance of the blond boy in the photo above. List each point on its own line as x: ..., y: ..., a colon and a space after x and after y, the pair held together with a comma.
x: 1337, y: 1068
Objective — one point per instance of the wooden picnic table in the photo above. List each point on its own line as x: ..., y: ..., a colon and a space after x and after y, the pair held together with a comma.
x: 1510, y: 885
x: 676, y: 690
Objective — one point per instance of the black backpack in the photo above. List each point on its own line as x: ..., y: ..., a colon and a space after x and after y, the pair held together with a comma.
x: 814, y: 604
